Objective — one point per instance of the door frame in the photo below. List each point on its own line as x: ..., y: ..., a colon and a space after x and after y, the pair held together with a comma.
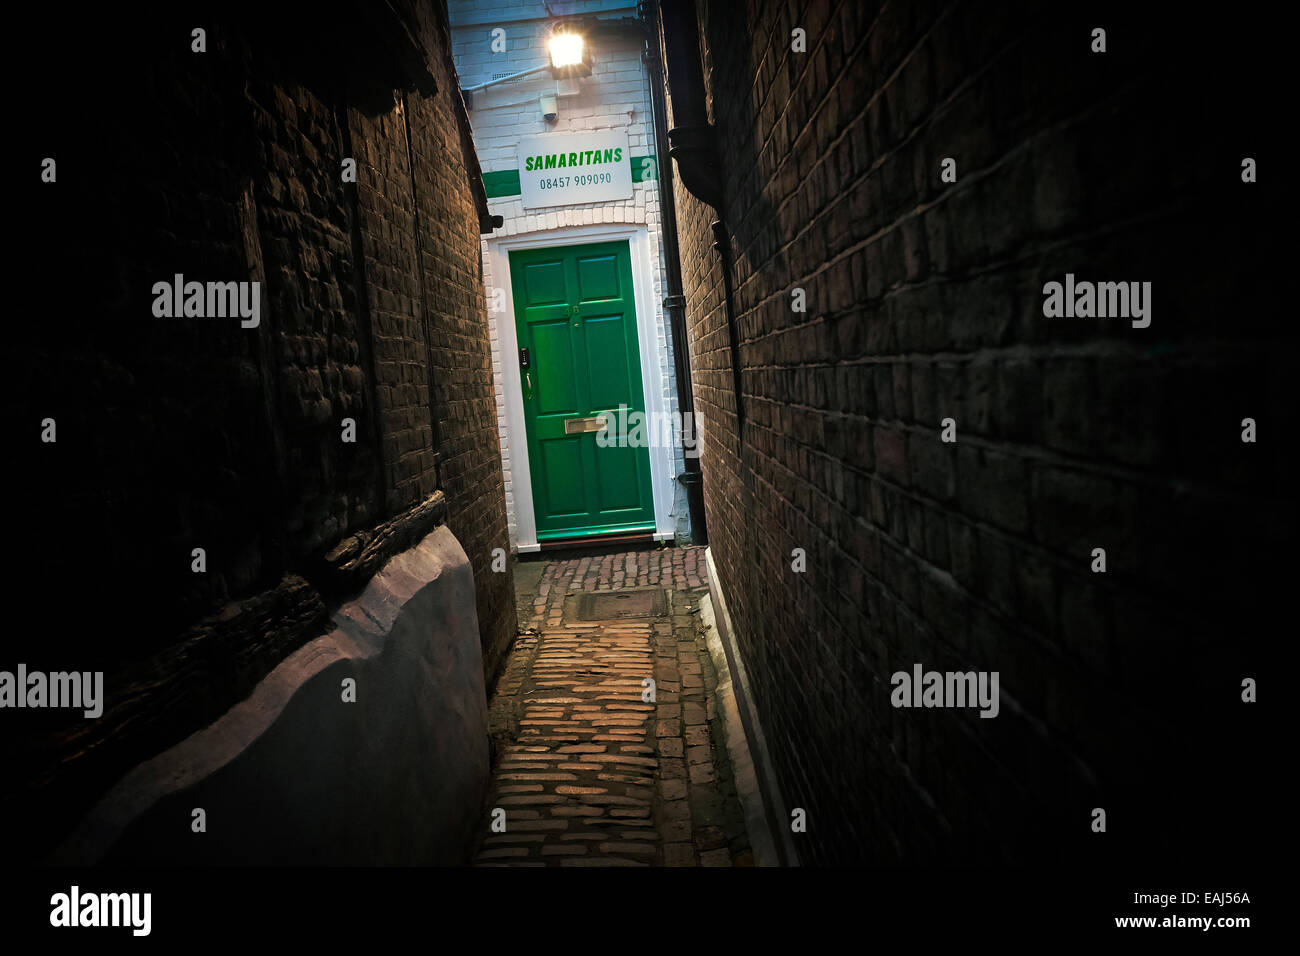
x: 649, y: 330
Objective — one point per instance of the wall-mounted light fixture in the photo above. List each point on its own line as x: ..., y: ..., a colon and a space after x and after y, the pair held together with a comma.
x: 570, y: 52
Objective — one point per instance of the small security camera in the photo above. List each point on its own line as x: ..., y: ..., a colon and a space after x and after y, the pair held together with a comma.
x: 549, y: 108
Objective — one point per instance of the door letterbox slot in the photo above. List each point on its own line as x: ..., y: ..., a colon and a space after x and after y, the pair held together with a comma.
x: 580, y: 426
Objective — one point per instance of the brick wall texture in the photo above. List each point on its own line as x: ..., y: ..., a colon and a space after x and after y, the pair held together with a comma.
x: 924, y: 301
x: 177, y: 433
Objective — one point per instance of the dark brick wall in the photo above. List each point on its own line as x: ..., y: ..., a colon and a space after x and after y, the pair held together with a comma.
x: 924, y: 301
x: 460, y: 351
x: 183, y: 433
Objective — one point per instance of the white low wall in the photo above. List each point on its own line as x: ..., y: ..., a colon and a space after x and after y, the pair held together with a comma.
x: 296, y: 775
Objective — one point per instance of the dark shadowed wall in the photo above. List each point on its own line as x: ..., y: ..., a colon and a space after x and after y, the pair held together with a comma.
x: 924, y: 301
x: 182, y: 433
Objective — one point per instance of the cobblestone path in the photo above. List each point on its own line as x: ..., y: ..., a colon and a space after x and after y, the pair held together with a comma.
x: 590, y: 769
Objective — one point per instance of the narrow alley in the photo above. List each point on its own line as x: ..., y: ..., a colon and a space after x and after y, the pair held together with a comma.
x: 610, y: 750
x: 459, y: 447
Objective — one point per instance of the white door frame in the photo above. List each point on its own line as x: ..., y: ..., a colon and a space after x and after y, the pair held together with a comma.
x: 649, y: 330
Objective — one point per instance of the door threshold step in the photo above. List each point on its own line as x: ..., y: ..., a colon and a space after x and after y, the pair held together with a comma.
x: 595, y: 542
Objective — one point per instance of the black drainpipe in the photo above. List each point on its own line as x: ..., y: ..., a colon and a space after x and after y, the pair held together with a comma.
x: 692, y: 478
x: 692, y: 144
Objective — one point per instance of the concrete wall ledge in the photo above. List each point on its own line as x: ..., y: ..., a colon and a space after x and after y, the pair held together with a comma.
x: 296, y: 775
x: 766, y: 812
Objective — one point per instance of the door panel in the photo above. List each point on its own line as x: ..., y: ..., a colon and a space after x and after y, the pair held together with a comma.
x: 555, y: 392
x: 608, y: 378
x: 597, y: 278
x: 616, y: 479
x: 561, y: 469
x: 574, y: 312
x: 545, y: 281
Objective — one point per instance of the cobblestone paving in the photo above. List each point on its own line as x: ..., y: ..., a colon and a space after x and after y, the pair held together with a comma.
x: 588, y: 771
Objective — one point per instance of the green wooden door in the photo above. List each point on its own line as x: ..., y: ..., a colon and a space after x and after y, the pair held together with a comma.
x: 575, y: 316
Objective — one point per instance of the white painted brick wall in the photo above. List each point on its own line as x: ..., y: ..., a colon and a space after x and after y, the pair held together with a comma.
x: 615, y: 96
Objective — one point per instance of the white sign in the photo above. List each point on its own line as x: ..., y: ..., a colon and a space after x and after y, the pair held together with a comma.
x: 568, y: 168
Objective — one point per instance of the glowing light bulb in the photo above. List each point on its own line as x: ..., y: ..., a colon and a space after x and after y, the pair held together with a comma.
x: 566, y: 49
